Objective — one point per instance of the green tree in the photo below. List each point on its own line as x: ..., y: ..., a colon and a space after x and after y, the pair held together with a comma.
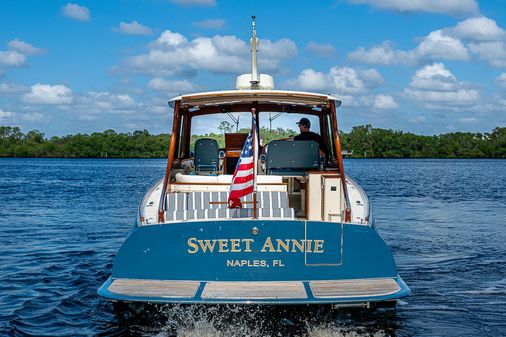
x: 225, y: 127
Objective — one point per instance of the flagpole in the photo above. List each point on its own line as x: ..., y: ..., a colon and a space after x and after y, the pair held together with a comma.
x: 255, y: 161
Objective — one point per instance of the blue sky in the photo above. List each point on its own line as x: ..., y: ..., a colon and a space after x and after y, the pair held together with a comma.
x: 69, y: 67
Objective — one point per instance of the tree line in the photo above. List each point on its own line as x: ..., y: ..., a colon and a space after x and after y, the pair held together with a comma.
x: 362, y: 141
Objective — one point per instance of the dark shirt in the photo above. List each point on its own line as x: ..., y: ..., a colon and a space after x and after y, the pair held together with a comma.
x: 313, y: 136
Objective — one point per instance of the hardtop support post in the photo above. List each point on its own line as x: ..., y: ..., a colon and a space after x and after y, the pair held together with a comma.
x: 170, y: 160
x: 335, y: 130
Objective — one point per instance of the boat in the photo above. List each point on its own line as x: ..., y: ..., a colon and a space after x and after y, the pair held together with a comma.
x: 305, y: 235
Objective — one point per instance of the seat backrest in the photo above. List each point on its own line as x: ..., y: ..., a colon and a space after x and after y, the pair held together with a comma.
x: 206, y: 154
x: 292, y: 157
x: 211, y: 200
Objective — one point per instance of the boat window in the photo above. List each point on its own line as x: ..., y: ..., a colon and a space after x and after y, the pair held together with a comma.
x: 282, y: 126
x: 330, y: 140
x: 216, y: 125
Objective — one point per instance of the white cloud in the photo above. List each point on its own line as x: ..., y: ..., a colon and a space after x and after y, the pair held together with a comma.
x: 76, y: 12
x: 324, y: 50
x: 384, y: 102
x: 17, y: 55
x: 434, y: 77
x: 17, y: 117
x: 435, y: 46
x: 449, y: 7
x: 351, y: 86
x: 438, y: 46
x: 24, y: 47
x: 173, y: 53
x: 479, y: 38
x: 49, y: 94
x: 104, y: 101
x: 132, y: 28
x: 434, y: 86
x: 501, y: 80
x: 381, y: 54
x: 352, y: 81
x: 280, y: 49
x: 6, y: 114
x: 493, y: 52
x: 313, y: 80
x: 168, y: 86
x: 344, y: 80
x: 11, y: 58
x: 194, y: 2
x: 168, y: 39
x: 477, y: 29
x: 372, y: 102
x: 210, y: 24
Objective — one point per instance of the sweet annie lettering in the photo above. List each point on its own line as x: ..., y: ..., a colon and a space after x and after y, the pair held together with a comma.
x: 270, y: 245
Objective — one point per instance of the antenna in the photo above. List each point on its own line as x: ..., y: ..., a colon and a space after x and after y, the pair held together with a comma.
x: 254, y: 44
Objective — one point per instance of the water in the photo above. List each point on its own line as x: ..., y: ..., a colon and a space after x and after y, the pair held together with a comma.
x: 62, y: 221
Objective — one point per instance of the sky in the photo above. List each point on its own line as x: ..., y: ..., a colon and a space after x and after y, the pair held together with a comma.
x: 427, y: 67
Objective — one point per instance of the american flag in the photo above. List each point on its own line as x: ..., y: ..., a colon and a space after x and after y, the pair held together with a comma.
x: 244, y: 178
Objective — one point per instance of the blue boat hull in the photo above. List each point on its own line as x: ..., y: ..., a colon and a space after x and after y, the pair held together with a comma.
x: 320, y: 261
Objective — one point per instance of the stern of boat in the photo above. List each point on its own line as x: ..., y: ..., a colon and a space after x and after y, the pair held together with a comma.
x: 255, y: 262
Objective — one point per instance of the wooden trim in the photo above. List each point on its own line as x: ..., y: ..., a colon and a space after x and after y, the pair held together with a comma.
x: 324, y: 172
x: 177, y: 153
x: 187, y: 135
x: 170, y: 161
x: 324, y: 133
x: 340, y: 165
x: 306, y: 201
x: 328, y: 121
x: 226, y: 203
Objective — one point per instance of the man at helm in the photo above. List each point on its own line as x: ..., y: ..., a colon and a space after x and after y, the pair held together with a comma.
x: 305, y: 134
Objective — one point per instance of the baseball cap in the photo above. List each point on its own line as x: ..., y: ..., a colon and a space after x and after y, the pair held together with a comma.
x: 304, y: 121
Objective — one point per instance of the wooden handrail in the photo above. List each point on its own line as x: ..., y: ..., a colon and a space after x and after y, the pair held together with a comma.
x: 170, y: 161
x: 335, y: 130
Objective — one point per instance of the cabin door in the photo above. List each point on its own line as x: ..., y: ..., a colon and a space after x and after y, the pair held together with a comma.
x: 326, y: 253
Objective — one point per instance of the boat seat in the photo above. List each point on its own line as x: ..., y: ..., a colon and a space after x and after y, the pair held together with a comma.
x: 295, y: 158
x: 265, y: 199
x: 206, y: 155
x: 230, y: 213
x: 176, y: 202
x: 201, y: 205
x: 223, y: 179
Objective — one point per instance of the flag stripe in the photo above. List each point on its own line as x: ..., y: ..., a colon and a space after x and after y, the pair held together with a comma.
x: 244, y: 178
x: 244, y: 173
x: 241, y: 185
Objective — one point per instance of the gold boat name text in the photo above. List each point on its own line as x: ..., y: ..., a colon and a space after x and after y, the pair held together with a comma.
x: 247, y: 246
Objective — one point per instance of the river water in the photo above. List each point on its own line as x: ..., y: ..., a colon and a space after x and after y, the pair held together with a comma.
x: 62, y: 221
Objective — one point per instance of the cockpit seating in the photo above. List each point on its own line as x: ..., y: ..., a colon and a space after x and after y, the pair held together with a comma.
x: 286, y: 157
x: 206, y: 155
x: 213, y: 205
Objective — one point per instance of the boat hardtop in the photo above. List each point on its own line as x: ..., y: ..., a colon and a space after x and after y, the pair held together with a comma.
x: 303, y: 232
x: 252, y: 95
